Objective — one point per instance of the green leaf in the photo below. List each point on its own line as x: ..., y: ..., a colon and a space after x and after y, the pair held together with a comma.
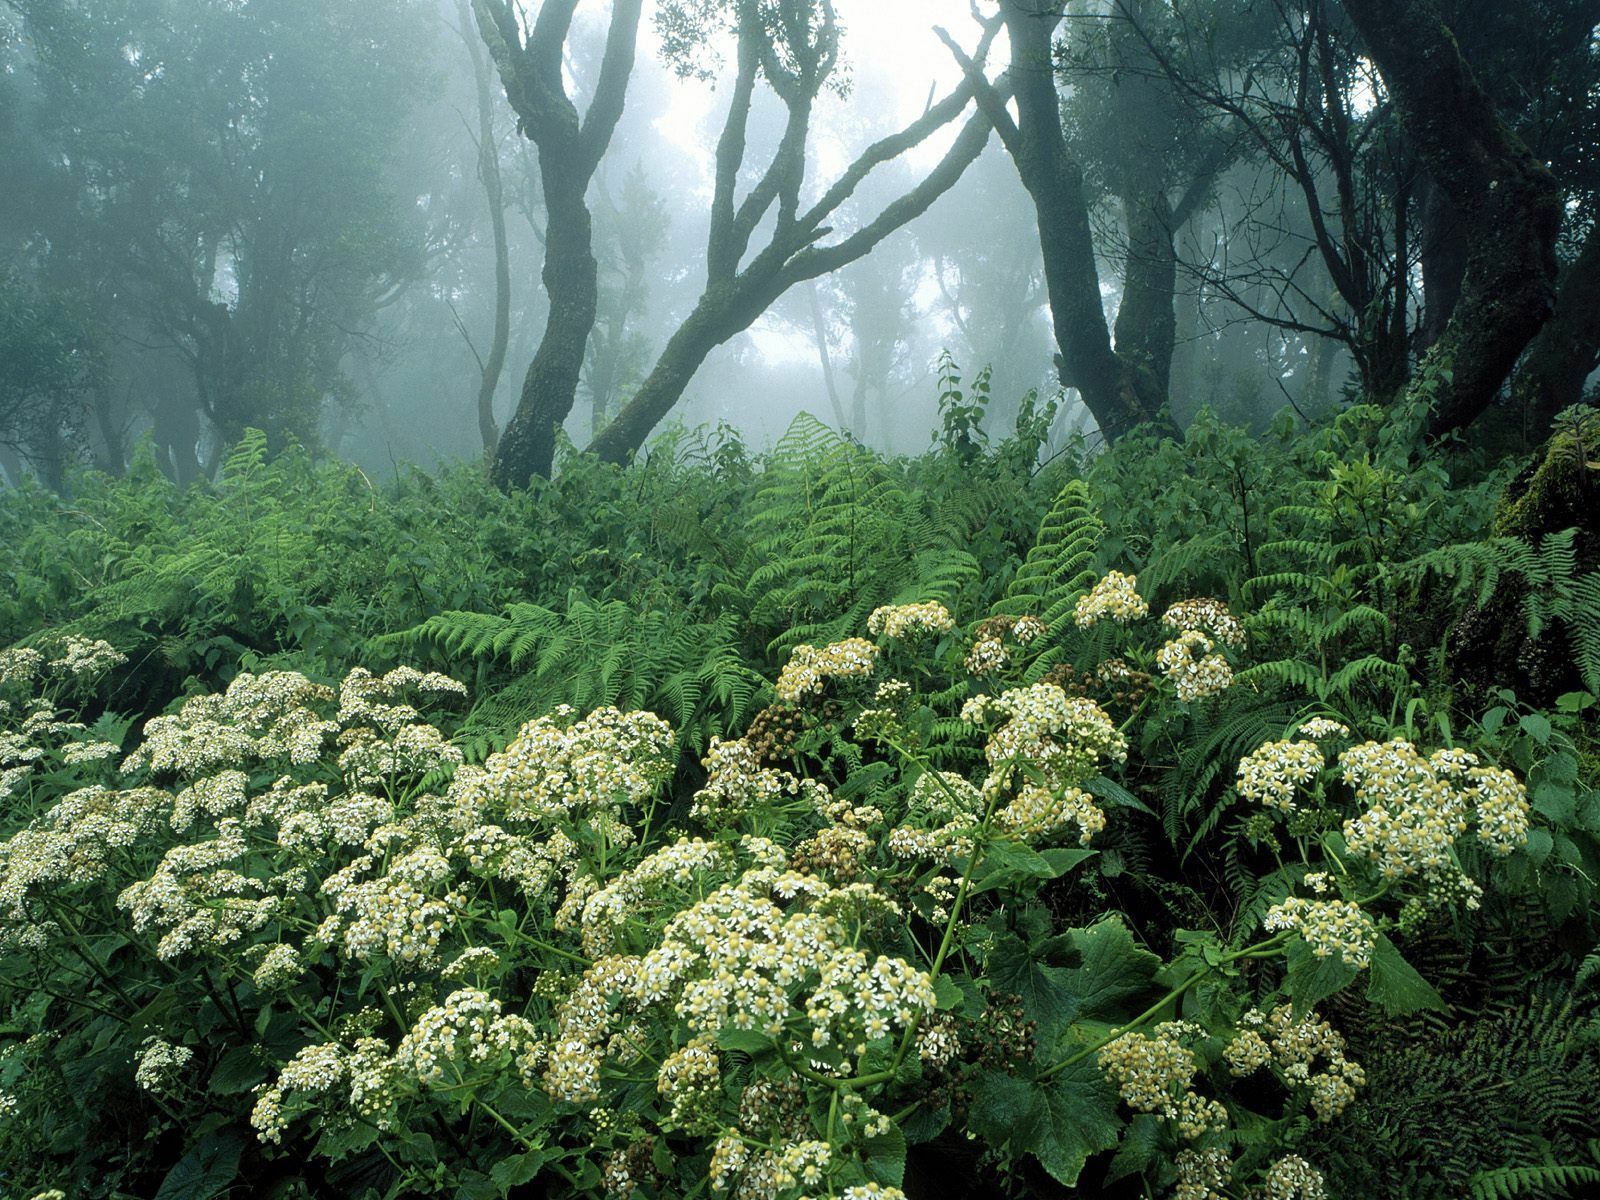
x: 1536, y: 726
x: 1555, y: 801
x: 1540, y: 843
x: 1310, y: 979
x: 239, y: 1070
x: 1394, y: 984
x: 206, y: 1170
x: 749, y: 1040
x: 1060, y: 1123
x: 1043, y: 989
x: 1007, y: 863
x: 886, y: 1157
x: 1112, y: 792
x: 517, y: 1170
x: 947, y: 995
x: 1111, y: 974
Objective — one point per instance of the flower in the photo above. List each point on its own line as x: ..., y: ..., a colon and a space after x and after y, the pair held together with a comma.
x: 1272, y: 773
x: 159, y: 1063
x: 1208, y: 616
x: 901, y: 621
x: 1329, y: 927
x: 1113, y: 598
x: 1191, y: 662
x: 809, y: 669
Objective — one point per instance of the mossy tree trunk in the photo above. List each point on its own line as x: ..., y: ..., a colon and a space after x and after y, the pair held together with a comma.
x: 570, y: 149
x: 1509, y: 201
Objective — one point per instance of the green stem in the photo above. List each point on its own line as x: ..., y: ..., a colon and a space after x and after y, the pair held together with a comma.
x: 1261, y: 949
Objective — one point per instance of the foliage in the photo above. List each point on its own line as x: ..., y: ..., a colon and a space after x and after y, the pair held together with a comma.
x: 1148, y: 839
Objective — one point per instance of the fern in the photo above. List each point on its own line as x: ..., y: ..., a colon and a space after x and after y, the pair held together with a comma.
x: 1548, y: 588
x: 600, y: 653
x: 1507, y: 1182
x: 1060, y: 565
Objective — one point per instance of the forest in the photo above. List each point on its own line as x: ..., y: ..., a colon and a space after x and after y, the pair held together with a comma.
x: 799, y: 599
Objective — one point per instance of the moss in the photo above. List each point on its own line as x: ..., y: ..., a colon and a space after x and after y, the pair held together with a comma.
x: 1559, y: 489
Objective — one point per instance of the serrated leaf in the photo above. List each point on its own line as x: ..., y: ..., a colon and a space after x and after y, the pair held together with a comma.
x: 517, y: 1170
x: 748, y: 1040
x: 886, y: 1157
x: 206, y: 1170
x: 1061, y: 1123
x: 1394, y: 984
x: 1112, y: 971
x: 1046, y: 999
x: 1311, y: 979
x: 239, y: 1070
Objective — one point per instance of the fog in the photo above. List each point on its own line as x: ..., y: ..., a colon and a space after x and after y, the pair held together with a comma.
x: 423, y: 357
x: 334, y: 222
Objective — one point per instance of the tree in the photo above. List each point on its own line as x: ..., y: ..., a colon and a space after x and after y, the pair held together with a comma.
x: 489, y: 366
x: 48, y: 361
x: 1509, y: 201
x: 633, y: 233
x: 218, y: 211
x: 1124, y: 384
x: 570, y: 145
x: 793, y: 45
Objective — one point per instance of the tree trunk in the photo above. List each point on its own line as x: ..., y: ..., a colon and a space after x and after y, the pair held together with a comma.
x: 571, y: 281
x: 819, y: 332
x: 1509, y: 201
x: 1444, y: 261
x: 1147, y: 323
x: 1567, y: 349
x: 113, y: 445
x: 494, y: 192
x: 1087, y: 361
x: 722, y: 312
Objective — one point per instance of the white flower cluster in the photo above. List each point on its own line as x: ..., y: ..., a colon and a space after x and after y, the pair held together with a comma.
x: 590, y: 769
x: 365, y: 698
x: 1202, y: 1174
x: 1113, y: 598
x: 85, y: 658
x: 737, y: 784
x: 1063, y: 735
x: 1191, y: 661
x: 1038, y: 812
x: 1418, y: 806
x: 988, y: 656
x: 450, y: 1041
x: 1322, y: 729
x: 1155, y: 1073
x: 1272, y: 772
x: 1293, y: 1178
x: 362, y: 1079
x: 69, y: 845
x: 809, y: 669
x: 1294, y: 1045
x: 1208, y: 616
x: 159, y: 1063
x: 20, y: 665
x: 899, y: 621
x: 260, y: 718
x: 690, y: 1081
x: 1330, y: 928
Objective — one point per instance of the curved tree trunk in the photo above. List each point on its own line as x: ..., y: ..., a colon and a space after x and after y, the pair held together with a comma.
x: 721, y: 313
x: 1509, y: 201
x: 1443, y: 251
x: 1567, y: 349
x: 1147, y: 321
x: 494, y: 193
x: 571, y: 281
x: 531, y: 66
